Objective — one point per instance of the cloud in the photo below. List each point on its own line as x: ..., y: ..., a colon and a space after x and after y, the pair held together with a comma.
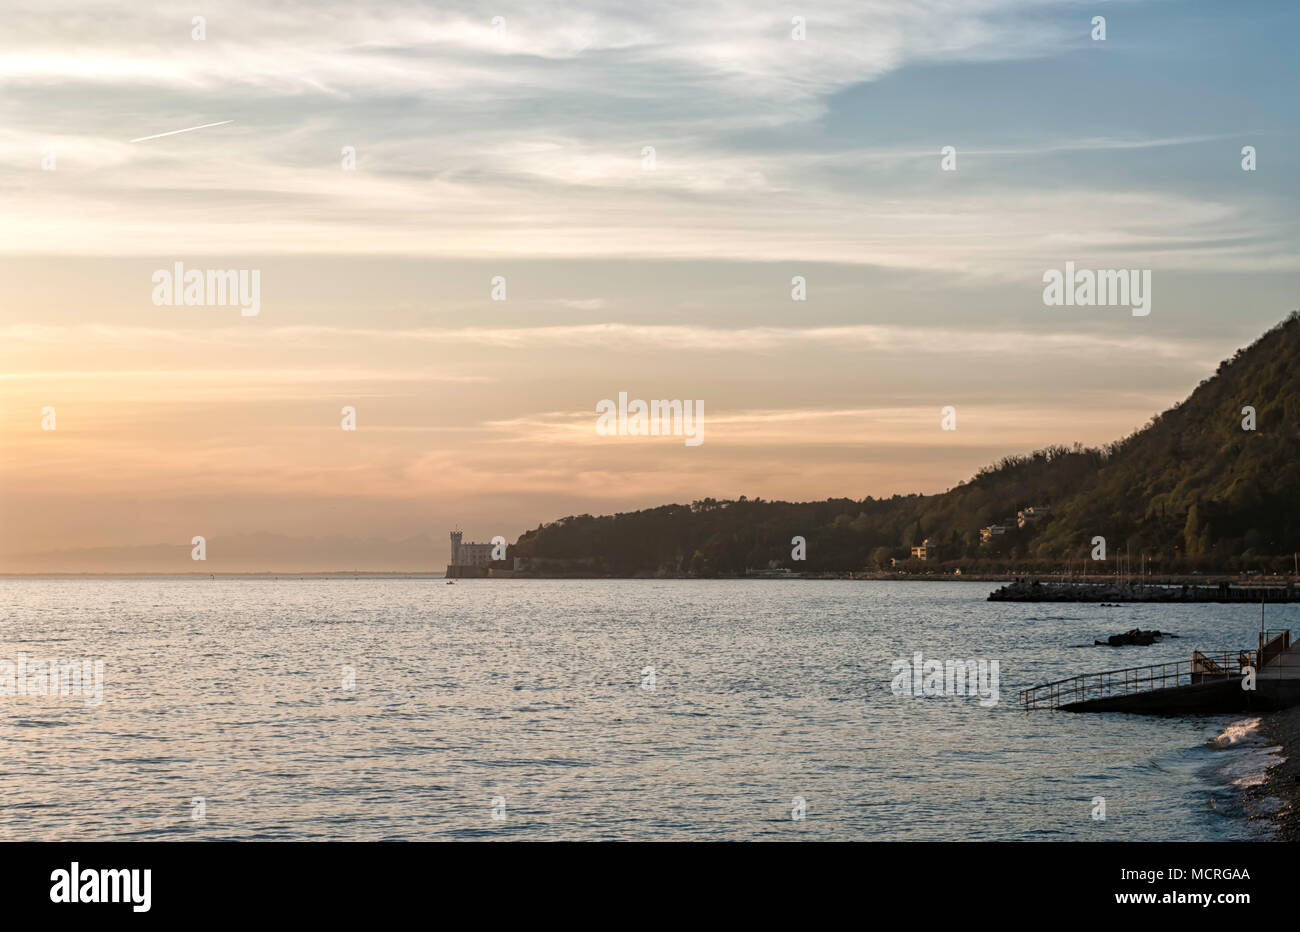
x: 898, y: 429
x: 530, y: 143
x: 884, y: 338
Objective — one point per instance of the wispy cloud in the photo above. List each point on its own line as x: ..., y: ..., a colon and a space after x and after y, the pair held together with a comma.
x: 609, y: 336
x: 529, y: 143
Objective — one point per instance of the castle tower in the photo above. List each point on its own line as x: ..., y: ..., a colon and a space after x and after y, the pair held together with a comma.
x: 455, y: 548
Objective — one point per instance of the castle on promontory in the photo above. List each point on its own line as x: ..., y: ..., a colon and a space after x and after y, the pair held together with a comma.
x: 468, y: 559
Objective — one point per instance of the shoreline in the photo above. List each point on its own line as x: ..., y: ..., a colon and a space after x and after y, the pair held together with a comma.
x: 1268, y: 583
x: 1281, y: 780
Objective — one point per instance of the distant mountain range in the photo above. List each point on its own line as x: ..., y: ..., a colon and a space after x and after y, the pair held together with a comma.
x: 244, y: 553
x: 1194, y: 489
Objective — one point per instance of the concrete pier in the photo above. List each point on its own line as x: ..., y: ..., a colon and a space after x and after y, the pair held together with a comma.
x: 1027, y: 590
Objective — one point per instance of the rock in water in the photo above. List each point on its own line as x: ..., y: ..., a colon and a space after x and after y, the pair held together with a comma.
x: 1136, y: 638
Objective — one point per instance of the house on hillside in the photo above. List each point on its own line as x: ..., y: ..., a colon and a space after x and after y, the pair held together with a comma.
x: 988, y: 533
x: 928, y: 550
x: 1032, y: 514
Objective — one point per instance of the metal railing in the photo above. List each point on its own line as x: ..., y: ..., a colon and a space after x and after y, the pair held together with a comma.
x: 1201, y: 668
x: 1273, y: 643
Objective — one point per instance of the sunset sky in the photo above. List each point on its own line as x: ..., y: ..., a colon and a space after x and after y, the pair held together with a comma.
x: 518, y: 152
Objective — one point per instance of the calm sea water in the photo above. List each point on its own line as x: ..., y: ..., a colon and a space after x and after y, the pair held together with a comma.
x: 529, y: 694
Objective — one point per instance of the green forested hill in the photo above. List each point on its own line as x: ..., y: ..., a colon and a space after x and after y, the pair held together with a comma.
x: 1191, y: 490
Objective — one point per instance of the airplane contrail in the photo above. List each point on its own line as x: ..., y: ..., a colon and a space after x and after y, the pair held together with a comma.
x: 187, y: 130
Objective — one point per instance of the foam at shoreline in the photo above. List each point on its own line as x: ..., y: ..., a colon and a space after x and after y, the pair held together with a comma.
x: 1251, y: 754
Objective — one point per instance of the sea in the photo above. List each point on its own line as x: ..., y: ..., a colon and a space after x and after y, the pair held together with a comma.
x: 380, y: 708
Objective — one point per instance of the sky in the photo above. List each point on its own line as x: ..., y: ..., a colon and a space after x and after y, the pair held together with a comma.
x: 472, y: 230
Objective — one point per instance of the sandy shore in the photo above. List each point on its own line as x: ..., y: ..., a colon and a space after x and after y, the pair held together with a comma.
x: 1282, y: 782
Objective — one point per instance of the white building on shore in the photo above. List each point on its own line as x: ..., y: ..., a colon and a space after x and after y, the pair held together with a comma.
x: 469, y: 554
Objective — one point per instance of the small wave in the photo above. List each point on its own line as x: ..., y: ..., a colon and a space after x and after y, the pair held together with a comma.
x: 38, y: 723
x: 1250, y: 760
x: 1240, y: 732
x: 1249, y: 766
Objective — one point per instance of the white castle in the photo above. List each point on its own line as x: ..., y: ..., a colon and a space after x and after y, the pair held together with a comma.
x: 470, y: 554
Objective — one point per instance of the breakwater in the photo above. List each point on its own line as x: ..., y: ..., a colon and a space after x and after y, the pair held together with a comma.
x: 1035, y: 590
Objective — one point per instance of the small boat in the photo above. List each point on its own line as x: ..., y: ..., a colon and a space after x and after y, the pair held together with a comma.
x: 451, y: 582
